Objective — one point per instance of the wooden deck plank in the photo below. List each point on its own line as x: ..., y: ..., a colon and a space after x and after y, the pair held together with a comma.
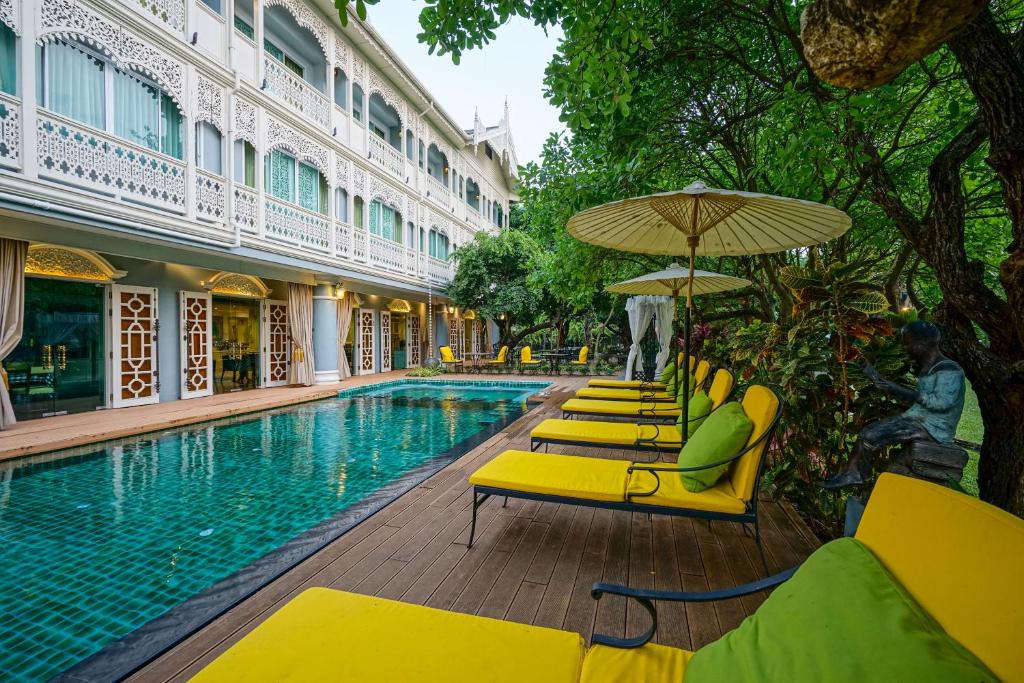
x: 531, y: 562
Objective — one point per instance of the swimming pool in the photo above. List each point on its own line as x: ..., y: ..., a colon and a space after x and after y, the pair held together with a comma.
x: 99, y: 544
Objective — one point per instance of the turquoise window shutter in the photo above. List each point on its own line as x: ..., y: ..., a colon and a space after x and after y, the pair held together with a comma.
x: 309, y: 187
x: 171, y: 140
x: 374, y: 218
x: 8, y: 61
x: 282, y: 176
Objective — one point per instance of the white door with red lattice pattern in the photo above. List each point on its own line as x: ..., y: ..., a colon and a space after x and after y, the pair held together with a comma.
x: 365, y: 338
x: 276, y: 340
x: 412, y: 322
x: 385, y: 341
x: 134, y: 375
x: 195, y: 327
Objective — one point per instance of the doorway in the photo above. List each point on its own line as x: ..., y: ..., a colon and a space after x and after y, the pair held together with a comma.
x: 58, y: 366
x: 236, y: 344
x: 399, y: 344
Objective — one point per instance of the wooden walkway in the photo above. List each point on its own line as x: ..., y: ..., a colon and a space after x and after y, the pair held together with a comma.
x: 531, y: 563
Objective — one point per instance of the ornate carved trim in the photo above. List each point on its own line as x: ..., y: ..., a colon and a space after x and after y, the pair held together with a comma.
x: 359, y: 182
x: 387, y: 194
x: 306, y: 18
x: 237, y: 284
x: 342, y: 55
x: 50, y: 260
x: 209, y: 102
x: 9, y: 15
x: 245, y: 121
x: 61, y: 19
x: 341, y: 174
x: 280, y: 135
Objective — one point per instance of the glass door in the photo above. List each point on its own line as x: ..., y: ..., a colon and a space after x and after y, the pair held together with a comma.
x: 399, y: 332
x: 58, y: 365
x: 236, y: 344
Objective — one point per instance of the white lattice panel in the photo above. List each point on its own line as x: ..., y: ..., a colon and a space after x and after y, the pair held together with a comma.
x: 195, y: 321
x: 10, y: 131
x: 209, y: 198
x: 134, y: 376
x: 365, y: 337
x: 276, y: 343
x: 385, y: 341
x: 413, y: 322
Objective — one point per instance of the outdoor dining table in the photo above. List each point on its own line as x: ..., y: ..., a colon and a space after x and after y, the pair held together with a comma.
x: 555, y: 358
x: 475, y: 357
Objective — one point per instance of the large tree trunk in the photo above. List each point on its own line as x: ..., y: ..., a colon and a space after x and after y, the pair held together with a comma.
x: 1001, y: 469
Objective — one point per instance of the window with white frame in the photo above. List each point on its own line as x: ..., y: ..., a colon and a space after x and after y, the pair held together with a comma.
x: 79, y: 83
x: 209, y: 154
x: 341, y: 204
x: 437, y: 244
x: 294, y: 181
x: 8, y: 60
x: 340, y: 88
x: 385, y: 222
x: 245, y: 162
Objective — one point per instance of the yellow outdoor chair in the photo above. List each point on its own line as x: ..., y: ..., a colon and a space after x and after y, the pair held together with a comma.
x: 581, y: 363
x: 641, y: 394
x: 643, y: 437
x: 500, y: 360
x: 621, y: 485
x: 932, y: 540
x: 448, y: 359
x: 526, y: 361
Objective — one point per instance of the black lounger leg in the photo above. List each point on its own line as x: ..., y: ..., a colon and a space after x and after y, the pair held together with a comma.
x: 472, y: 526
x: 505, y: 504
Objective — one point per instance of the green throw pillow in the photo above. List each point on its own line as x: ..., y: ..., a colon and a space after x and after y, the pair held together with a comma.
x: 700, y: 408
x: 725, y: 434
x: 670, y: 387
x: 668, y: 373
x: 841, y: 618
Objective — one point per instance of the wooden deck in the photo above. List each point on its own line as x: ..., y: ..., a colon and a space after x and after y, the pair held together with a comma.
x: 531, y: 563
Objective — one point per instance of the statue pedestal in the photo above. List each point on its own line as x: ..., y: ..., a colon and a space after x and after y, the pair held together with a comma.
x: 935, y: 462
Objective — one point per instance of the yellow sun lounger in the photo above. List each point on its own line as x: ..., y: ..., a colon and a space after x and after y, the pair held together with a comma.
x: 631, y: 383
x: 625, y: 434
x: 929, y: 538
x: 652, y: 410
x: 652, y: 487
x: 641, y: 394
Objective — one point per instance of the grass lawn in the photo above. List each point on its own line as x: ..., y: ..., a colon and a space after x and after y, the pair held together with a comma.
x: 971, y: 429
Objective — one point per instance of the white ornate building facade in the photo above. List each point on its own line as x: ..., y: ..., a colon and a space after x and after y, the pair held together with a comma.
x: 177, y: 165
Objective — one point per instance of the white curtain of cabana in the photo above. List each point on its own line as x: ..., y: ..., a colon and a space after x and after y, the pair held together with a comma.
x: 640, y: 310
x: 663, y: 316
x: 300, y: 321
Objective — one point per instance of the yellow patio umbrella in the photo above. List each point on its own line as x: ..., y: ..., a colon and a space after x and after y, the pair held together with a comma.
x: 703, y: 221
x: 672, y: 281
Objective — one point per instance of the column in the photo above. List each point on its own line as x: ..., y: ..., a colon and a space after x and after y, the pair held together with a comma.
x: 325, y: 333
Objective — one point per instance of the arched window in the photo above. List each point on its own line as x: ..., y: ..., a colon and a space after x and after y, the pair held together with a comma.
x: 385, y: 221
x: 8, y: 60
x: 385, y: 122
x: 340, y: 88
x: 294, y: 181
x: 341, y: 204
x: 410, y: 235
x: 437, y: 245
x: 292, y: 47
x: 410, y: 146
x: 472, y: 194
x: 76, y: 82
x: 357, y: 212
x: 423, y: 154
x: 245, y: 163
x: 357, y: 102
x: 437, y: 165
x: 209, y: 148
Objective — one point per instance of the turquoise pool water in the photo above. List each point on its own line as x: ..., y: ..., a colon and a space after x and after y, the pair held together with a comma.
x: 97, y: 544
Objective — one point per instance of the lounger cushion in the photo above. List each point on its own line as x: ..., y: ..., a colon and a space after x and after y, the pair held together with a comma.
x: 328, y: 635
x: 842, y: 617
x: 626, y: 408
x: 724, y: 433
x: 614, y: 433
x: 672, y: 493
x: 625, y: 384
x: 699, y: 409
x: 651, y: 662
x: 609, y: 394
x: 555, y: 475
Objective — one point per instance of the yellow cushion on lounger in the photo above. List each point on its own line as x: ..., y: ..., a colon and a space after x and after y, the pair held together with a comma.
x: 602, y: 393
x: 555, y: 475
x: 671, y: 493
x: 328, y: 635
x: 630, y: 408
x: 625, y: 384
x: 617, y: 433
x: 651, y: 662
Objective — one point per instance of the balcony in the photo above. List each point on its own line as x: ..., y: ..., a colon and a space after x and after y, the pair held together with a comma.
x: 386, y: 156
x: 288, y: 87
x: 438, y: 271
x: 439, y: 193
x: 292, y: 224
x: 75, y: 154
x: 10, y: 131
x: 210, y: 192
x: 246, y: 216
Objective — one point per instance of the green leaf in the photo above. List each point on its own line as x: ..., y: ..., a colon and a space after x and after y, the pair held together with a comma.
x: 954, y: 108
x: 868, y: 303
x: 798, y: 277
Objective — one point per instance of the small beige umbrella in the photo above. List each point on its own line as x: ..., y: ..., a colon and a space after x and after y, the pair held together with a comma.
x: 699, y: 220
x: 672, y: 281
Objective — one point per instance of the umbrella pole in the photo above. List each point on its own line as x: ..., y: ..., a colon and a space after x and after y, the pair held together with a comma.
x: 692, y: 240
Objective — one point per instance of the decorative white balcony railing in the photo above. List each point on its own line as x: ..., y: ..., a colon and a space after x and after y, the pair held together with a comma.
x: 10, y: 131
x: 411, y: 262
x: 386, y: 254
x: 245, y: 205
x: 169, y: 12
x: 292, y: 224
x: 438, y: 271
x: 359, y: 244
x: 343, y: 239
x: 386, y: 155
x: 438, y: 192
x: 210, y: 196
x: 72, y: 153
x: 300, y: 95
